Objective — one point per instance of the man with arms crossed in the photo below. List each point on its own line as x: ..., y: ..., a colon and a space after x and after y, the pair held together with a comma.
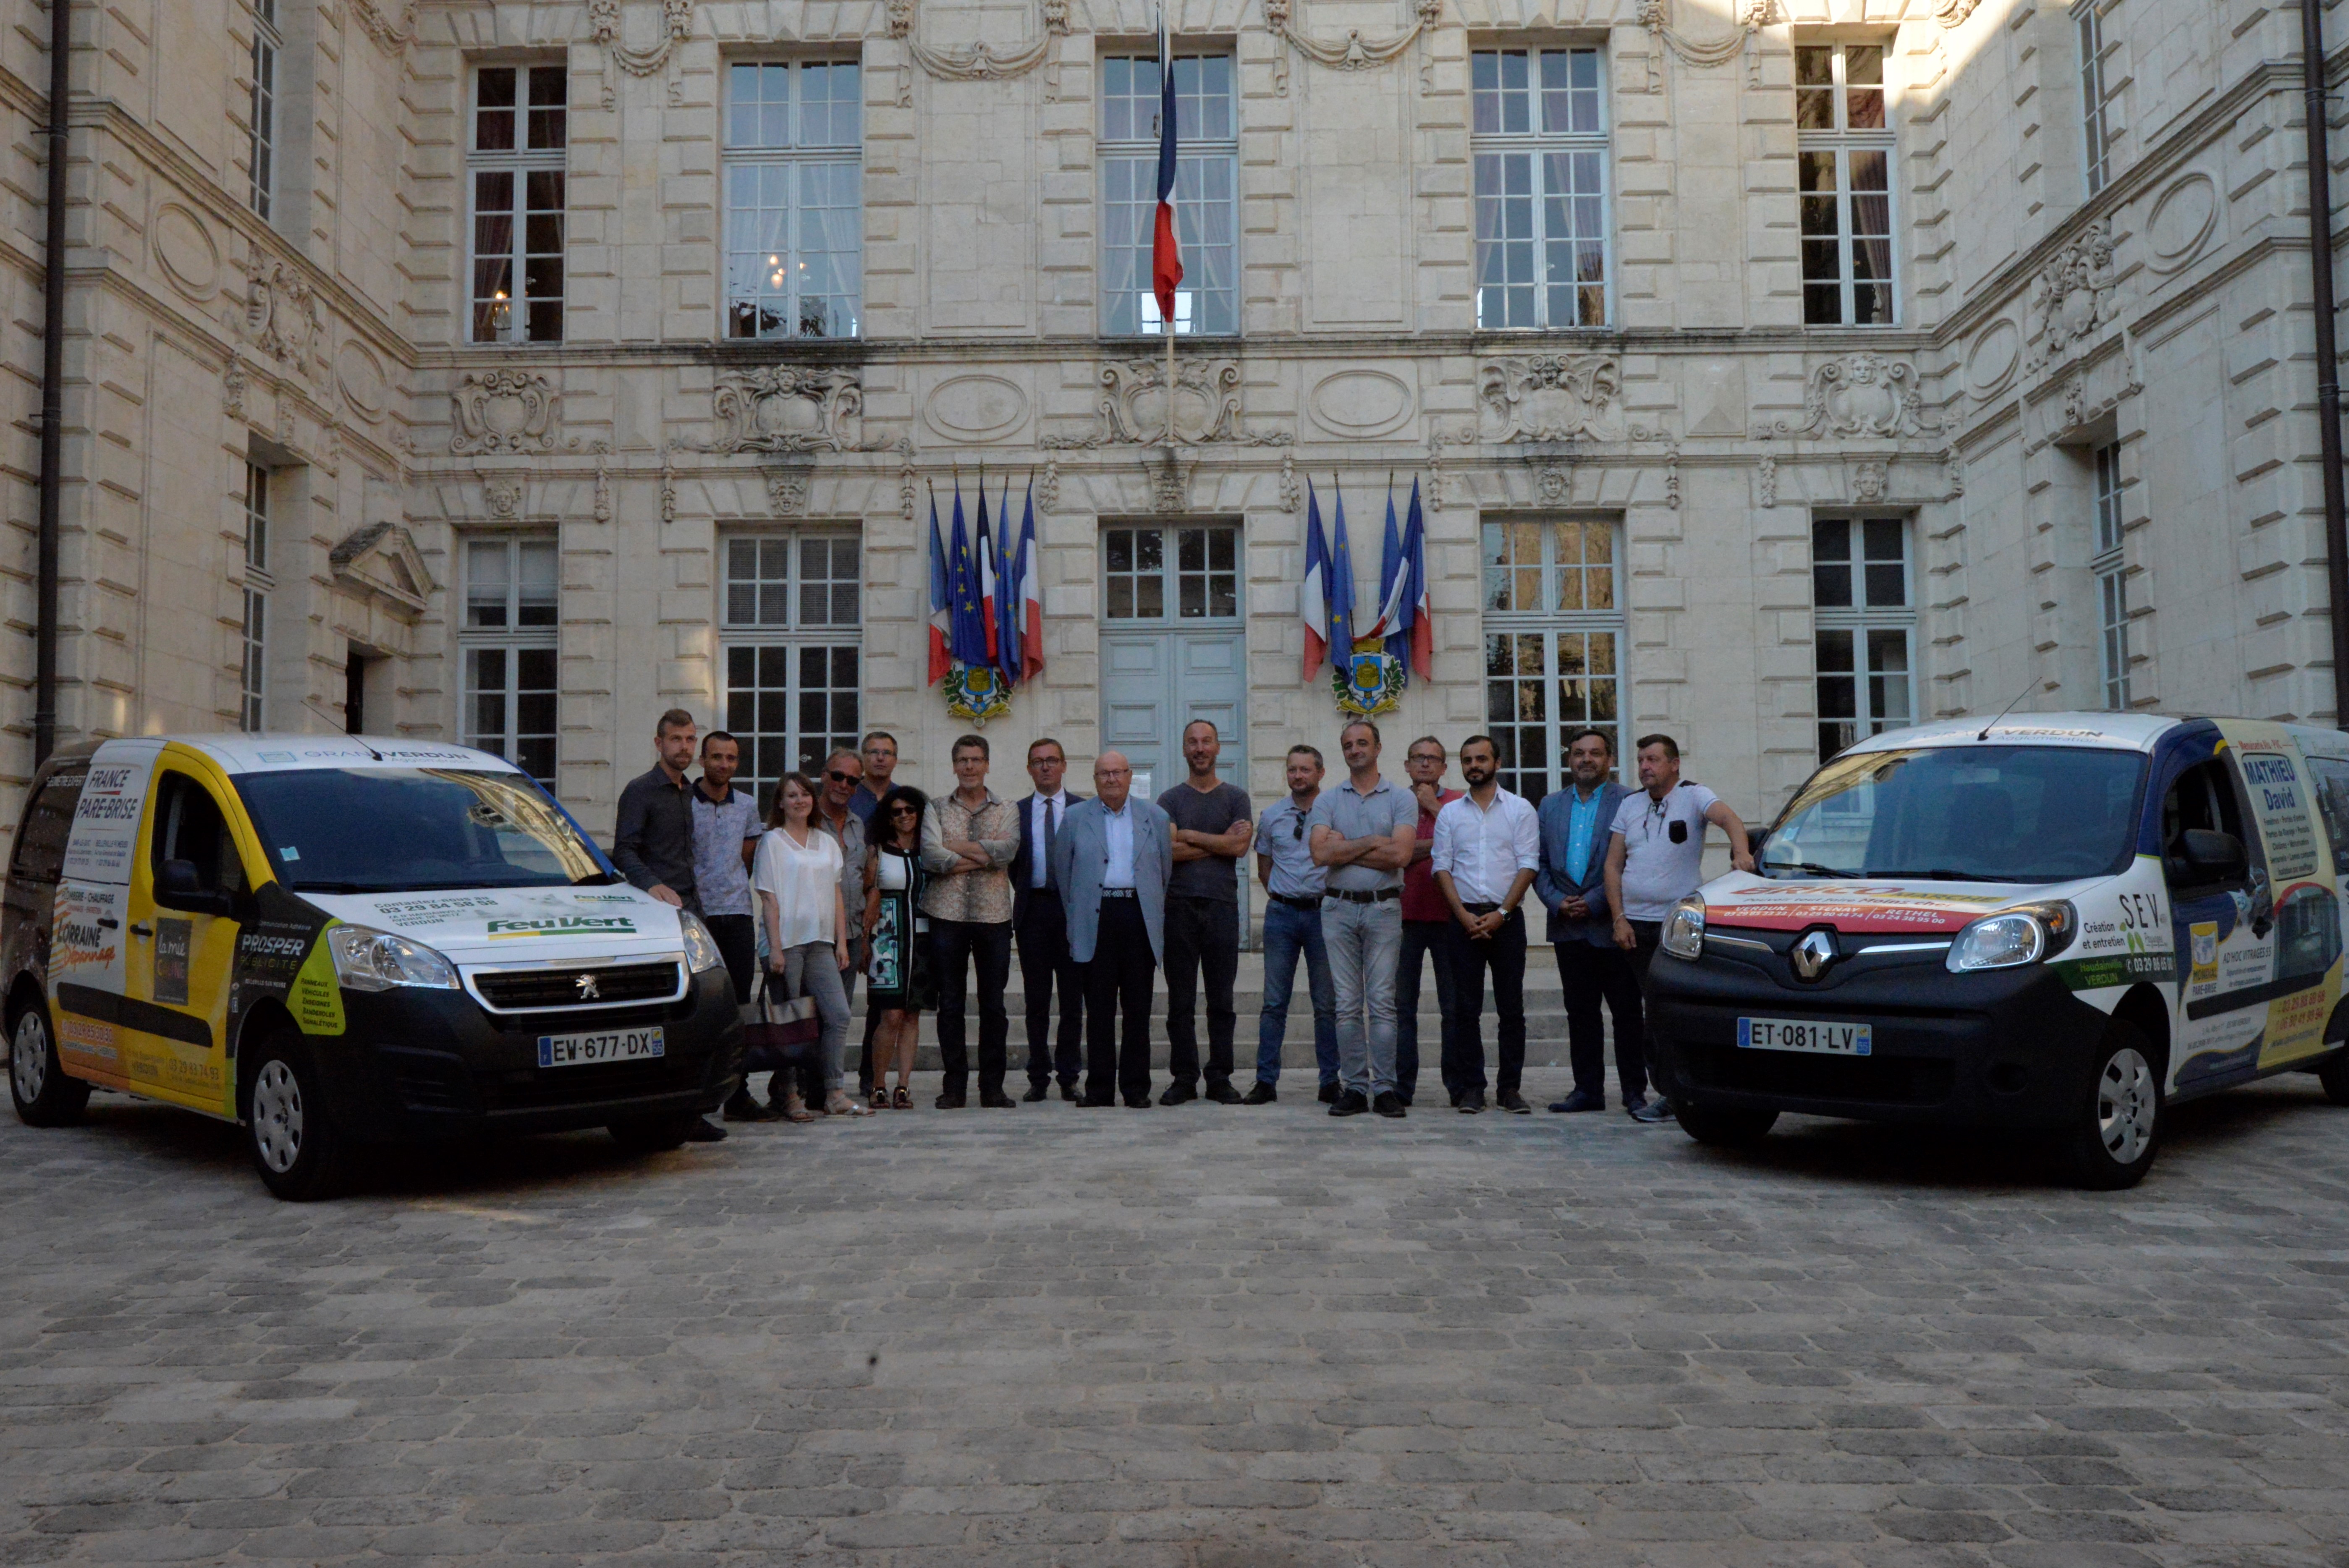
x: 1655, y: 858
x: 1426, y: 932
x: 1211, y: 831
x: 1113, y: 858
x: 1488, y: 847
x: 1292, y: 924
x: 1041, y: 926
x: 652, y: 836
x: 1572, y: 885
x: 968, y: 837
x: 1361, y: 832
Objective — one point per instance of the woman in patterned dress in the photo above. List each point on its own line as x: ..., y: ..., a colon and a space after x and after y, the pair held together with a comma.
x: 899, y: 981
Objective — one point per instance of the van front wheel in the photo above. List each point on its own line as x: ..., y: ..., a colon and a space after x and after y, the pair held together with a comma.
x: 295, y: 1148
x: 2334, y: 1078
x: 2117, y: 1130
x: 45, y: 1097
x: 652, y: 1135
x: 1724, y: 1128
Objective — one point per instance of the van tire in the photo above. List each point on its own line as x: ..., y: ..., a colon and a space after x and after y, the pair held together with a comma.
x: 652, y: 1135
x: 44, y: 1095
x: 297, y: 1150
x: 1722, y: 1127
x: 2117, y: 1130
x: 2334, y: 1075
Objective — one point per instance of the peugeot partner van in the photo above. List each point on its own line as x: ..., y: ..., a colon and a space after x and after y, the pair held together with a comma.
x: 338, y: 942
x: 2060, y: 921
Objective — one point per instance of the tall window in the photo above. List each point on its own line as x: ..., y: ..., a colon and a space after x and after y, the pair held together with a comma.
x: 1553, y: 640
x: 794, y: 655
x: 508, y: 642
x: 1844, y: 179
x: 261, y: 134
x: 1540, y: 146
x: 1866, y: 619
x: 2112, y: 581
x: 516, y: 163
x: 1198, y: 580
x: 2095, y: 100
x: 794, y: 202
x: 1207, y: 195
x: 254, y: 644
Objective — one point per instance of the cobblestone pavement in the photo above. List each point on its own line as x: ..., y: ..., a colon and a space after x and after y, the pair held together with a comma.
x: 1210, y: 1336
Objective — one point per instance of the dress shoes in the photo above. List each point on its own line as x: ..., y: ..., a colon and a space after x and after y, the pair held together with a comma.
x: 1581, y: 1099
x: 704, y: 1130
x: 1036, y: 1092
x: 1137, y: 1102
x: 741, y: 1107
x: 1470, y: 1103
x: 1068, y: 1092
x: 1261, y: 1094
x: 1224, y: 1093
x: 1349, y: 1102
x: 1390, y: 1103
x: 1329, y: 1093
x: 995, y: 1100
x: 949, y: 1102
x: 1657, y: 1109
x: 1514, y: 1102
x: 1178, y: 1094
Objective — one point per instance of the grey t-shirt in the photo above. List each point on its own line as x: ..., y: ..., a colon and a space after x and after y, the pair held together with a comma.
x: 1206, y: 812
x: 1355, y: 816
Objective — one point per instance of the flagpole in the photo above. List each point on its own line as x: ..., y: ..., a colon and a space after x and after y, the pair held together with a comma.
x: 1166, y: 324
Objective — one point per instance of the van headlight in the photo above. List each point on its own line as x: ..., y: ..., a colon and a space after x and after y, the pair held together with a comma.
x: 1684, y: 928
x: 700, y: 947
x: 2013, y: 937
x: 367, y: 959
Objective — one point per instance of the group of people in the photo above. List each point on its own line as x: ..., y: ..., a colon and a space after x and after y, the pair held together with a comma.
x: 853, y: 875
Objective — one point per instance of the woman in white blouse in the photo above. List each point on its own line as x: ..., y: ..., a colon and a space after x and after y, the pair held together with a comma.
x: 796, y: 875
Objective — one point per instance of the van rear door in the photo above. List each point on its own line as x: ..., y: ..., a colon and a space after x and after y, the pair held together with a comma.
x: 2224, y: 927
x: 89, y: 932
x: 181, y: 956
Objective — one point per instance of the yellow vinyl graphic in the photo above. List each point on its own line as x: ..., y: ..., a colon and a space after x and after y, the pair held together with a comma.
x: 2304, y: 897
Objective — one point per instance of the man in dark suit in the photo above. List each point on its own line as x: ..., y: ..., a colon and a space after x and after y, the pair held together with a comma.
x: 1572, y: 885
x: 1113, y: 858
x: 1041, y: 926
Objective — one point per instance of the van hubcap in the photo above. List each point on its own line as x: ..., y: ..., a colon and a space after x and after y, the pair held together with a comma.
x: 2127, y: 1098
x: 278, y: 1116
x: 28, y: 1057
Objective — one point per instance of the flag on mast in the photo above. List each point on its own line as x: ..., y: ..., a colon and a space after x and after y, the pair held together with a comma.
x: 1165, y: 258
x: 969, y: 639
x: 1341, y: 588
x: 985, y: 566
x: 941, y: 601
x: 1027, y: 568
x: 1418, y: 630
x: 1313, y: 598
x: 1007, y: 589
x: 1392, y: 579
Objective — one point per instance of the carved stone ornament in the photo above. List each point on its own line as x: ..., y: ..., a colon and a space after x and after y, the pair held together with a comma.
x: 1354, y: 52
x: 1554, y: 484
x: 980, y: 62
x: 235, y: 381
x: 787, y: 490
x: 1860, y: 394
x: 504, y: 493
x: 1953, y: 472
x: 1656, y: 17
x: 601, y: 512
x: 1953, y: 13
x: 2076, y: 296
x: 502, y: 411
x: 1291, y: 493
x: 788, y: 409
x: 1765, y: 478
x: 380, y: 562
x: 1048, y: 488
x: 604, y: 30
x: 1170, y: 486
x: 281, y: 312
x: 906, y: 478
x: 1549, y: 396
x: 1133, y: 407
x: 390, y: 36
x: 1871, y: 480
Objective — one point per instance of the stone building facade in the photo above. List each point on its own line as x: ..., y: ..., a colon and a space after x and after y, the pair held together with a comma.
x: 513, y: 372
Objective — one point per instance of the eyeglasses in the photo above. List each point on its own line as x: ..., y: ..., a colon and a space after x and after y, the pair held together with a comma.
x: 837, y: 777
x: 903, y: 811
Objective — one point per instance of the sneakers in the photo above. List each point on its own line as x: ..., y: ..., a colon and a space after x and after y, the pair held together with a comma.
x: 1349, y: 1103
x: 1036, y: 1092
x: 1178, y: 1094
x: 1470, y: 1103
x: 1262, y: 1094
x: 1389, y: 1103
x: 1514, y: 1103
x: 1225, y: 1094
x: 1581, y: 1099
x: 1652, y: 1112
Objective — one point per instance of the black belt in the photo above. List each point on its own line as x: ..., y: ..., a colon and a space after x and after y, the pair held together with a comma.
x: 1118, y: 892
x: 1481, y: 908
x: 1294, y: 901
x: 1381, y: 896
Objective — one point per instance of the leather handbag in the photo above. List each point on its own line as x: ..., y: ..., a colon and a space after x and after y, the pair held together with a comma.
x: 786, y: 1030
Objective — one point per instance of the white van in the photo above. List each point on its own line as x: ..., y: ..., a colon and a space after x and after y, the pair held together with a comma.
x: 338, y: 941
x: 2060, y: 921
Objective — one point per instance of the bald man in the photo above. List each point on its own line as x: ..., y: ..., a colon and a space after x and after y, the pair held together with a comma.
x: 1111, y: 858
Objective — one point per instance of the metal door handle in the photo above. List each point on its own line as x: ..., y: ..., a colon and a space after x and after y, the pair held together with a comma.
x: 141, y: 931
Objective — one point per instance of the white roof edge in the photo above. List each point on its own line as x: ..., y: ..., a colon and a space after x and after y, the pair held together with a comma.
x: 2120, y: 731
x: 267, y: 752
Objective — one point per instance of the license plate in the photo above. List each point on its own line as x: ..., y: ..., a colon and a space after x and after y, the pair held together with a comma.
x: 611, y: 1045
x: 1797, y: 1035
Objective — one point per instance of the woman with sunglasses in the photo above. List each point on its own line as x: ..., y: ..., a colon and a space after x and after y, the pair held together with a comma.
x: 897, y: 934
x: 796, y: 875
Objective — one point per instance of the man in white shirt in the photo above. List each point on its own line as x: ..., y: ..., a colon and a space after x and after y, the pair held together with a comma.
x: 1655, y: 858
x: 1040, y: 927
x: 1111, y: 858
x: 1488, y: 847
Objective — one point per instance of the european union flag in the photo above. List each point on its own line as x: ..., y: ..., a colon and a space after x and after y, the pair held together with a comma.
x: 969, y: 638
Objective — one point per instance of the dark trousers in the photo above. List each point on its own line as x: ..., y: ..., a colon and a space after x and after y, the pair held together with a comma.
x: 1117, y: 980
x: 954, y: 945
x: 1424, y: 940
x: 1645, y: 935
x: 1503, y: 953
x: 737, y: 936
x: 1045, y: 963
x: 1589, y: 974
x: 1202, y: 933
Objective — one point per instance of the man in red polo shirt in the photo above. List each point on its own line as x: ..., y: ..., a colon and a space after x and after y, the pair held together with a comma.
x: 1425, y: 921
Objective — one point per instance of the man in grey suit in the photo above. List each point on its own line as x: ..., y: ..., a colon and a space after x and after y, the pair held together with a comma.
x: 1572, y: 885
x: 1111, y: 858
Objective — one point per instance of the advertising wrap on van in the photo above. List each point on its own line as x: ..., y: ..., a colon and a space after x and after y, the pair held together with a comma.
x: 515, y: 925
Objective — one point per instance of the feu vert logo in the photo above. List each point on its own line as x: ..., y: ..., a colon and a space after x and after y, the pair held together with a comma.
x: 562, y: 925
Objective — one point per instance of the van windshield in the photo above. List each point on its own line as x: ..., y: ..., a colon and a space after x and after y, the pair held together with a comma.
x: 1962, y: 813
x: 402, y: 830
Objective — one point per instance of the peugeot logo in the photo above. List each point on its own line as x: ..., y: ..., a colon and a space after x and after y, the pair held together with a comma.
x: 588, y: 992
x: 1810, y: 956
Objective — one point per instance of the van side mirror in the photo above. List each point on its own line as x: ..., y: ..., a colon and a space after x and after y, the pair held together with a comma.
x: 2212, y: 856
x: 177, y: 886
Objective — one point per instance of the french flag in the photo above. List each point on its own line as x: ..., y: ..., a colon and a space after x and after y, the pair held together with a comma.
x: 1026, y: 570
x: 941, y: 601
x: 1419, y: 608
x: 1313, y: 599
x: 987, y: 571
x: 1166, y: 260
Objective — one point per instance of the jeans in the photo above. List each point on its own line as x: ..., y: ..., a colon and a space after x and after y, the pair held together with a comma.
x: 1424, y: 938
x: 952, y: 943
x: 1289, y: 931
x: 1364, y: 940
x: 1503, y: 952
x: 1587, y: 974
x: 809, y: 970
x: 1201, y: 934
x: 1045, y: 963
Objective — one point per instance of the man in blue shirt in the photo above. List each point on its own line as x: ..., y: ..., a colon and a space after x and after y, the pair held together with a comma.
x: 1572, y: 885
x: 1293, y: 882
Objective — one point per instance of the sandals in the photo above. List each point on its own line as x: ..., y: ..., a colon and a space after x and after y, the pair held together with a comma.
x: 901, y: 1100
x: 839, y: 1104
x: 795, y: 1108
x: 880, y: 1097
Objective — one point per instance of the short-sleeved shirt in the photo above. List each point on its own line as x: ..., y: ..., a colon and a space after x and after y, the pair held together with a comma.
x: 1419, y: 899
x: 1664, y: 848
x: 720, y: 880
x: 804, y: 881
x: 1376, y: 815
x: 1281, y: 833
x: 1206, y: 812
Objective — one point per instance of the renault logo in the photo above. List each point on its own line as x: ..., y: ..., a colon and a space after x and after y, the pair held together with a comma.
x: 589, y: 992
x: 1810, y: 956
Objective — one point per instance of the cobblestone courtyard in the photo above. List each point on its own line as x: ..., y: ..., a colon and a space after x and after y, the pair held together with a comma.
x: 1198, y: 1336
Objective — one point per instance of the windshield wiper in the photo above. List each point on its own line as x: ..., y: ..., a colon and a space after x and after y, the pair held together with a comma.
x: 599, y: 879
x: 1943, y: 873
x: 1809, y: 868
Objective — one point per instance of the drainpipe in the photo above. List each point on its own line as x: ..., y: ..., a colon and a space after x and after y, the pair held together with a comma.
x: 2328, y: 374
x: 53, y: 392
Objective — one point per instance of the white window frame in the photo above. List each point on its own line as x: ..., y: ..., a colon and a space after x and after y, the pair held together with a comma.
x: 1198, y: 159
x: 1842, y: 142
x: 743, y: 162
x: 252, y: 640
x: 261, y: 135
x: 1548, y: 620
x: 1538, y: 146
x: 2109, y: 565
x: 790, y: 617
x: 1186, y: 593
x: 2095, y: 95
x: 1866, y: 618
x: 505, y: 317
x: 513, y: 639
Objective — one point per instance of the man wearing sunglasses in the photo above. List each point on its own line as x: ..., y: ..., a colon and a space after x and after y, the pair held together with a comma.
x: 1293, y: 883
x: 835, y: 813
